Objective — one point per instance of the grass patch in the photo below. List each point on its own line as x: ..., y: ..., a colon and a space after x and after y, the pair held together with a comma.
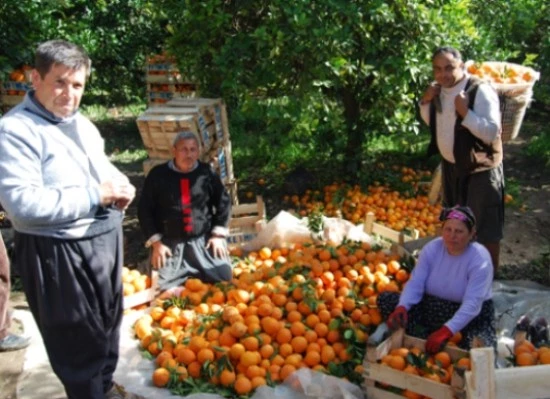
x: 539, y: 148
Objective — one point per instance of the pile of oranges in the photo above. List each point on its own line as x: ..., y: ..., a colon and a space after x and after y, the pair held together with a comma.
x: 304, y: 305
x: 396, y: 209
x: 133, y: 281
x: 502, y: 72
x: 526, y: 354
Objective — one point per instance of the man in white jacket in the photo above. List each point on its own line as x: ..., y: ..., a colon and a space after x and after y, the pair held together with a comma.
x: 463, y: 114
x: 66, y: 200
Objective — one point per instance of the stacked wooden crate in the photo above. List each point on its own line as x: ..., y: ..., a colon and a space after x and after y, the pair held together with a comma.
x: 206, y: 117
x: 165, y: 82
x: 13, y: 90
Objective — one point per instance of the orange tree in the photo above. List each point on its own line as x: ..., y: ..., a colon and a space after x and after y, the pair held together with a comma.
x: 325, y: 75
x: 118, y: 35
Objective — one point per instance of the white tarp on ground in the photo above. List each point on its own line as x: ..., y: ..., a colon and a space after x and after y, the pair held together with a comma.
x: 512, y: 299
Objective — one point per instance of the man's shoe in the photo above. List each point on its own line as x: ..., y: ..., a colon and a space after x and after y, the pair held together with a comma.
x: 118, y: 392
x: 12, y: 342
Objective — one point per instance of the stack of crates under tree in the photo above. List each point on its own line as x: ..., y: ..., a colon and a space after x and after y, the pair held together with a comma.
x: 13, y: 90
x: 165, y: 82
x: 206, y: 117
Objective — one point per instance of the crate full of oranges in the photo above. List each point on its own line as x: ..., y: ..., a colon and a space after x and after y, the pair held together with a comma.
x: 138, y: 289
x: 399, y: 367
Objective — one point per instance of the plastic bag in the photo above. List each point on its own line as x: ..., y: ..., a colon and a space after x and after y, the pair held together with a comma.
x: 286, y: 228
x: 305, y: 384
x: 283, y: 228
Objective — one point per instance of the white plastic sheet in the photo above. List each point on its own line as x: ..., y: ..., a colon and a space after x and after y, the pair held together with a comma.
x: 286, y: 228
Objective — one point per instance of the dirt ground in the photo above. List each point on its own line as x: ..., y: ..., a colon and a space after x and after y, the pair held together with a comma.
x: 526, y: 239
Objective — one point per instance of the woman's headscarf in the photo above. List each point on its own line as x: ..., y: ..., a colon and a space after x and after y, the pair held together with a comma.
x: 462, y: 213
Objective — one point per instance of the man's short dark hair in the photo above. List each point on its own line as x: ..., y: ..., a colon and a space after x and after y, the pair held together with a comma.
x: 447, y: 50
x: 61, y: 52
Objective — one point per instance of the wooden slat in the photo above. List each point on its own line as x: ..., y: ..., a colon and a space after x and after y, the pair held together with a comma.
x: 373, y: 228
x: 481, y: 380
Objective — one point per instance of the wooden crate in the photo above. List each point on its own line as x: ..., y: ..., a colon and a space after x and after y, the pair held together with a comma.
x: 231, y: 187
x: 486, y: 382
x: 143, y: 297
x: 159, y: 131
x: 160, y: 93
x: 247, y: 220
x: 386, y: 233
x: 10, y: 101
x: 378, y: 373
x: 203, y: 106
x: 221, y: 159
x: 158, y: 127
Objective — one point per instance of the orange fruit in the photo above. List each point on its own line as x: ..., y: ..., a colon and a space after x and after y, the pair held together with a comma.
x: 162, y: 356
x: 284, y: 335
x: 324, y: 255
x: 544, y: 355
x: 267, y: 351
x: 410, y: 369
x: 464, y: 362
x: 524, y: 346
x: 194, y: 369
x: 411, y: 395
x: 254, y: 371
x: 250, y: 358
x: 251, y: 343
x: 312, y: 358
x: 182, y: 373
x: 403, y: 352
x: 299, y: 344
x: 128, y: 289
x: 286, y: 370
x: 186, y: 356
x: 205, y: 354
x: 442, y: 359
x: 227, y: 377
x: 161, y: 377
x: 242, y: 385
x: 285, y: 349
x: 297, y: 328
x: 236, y: 351
x: 456, y: 338
x: 432, y: 376
x: 258, y: 381
x: 271, y: 325
x: 264, y: 253
x: 526, y: 359
x: 327, y: 354
x: 238, y: 329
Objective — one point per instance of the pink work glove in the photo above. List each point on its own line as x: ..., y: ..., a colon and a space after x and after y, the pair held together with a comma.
x: 398, y: 318
x: 437, y: 340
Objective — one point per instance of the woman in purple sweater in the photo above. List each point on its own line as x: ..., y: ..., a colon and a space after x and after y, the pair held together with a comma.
x: 450, y: 288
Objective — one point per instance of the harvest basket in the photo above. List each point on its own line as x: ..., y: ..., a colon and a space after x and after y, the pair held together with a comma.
x: 514, y: 85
